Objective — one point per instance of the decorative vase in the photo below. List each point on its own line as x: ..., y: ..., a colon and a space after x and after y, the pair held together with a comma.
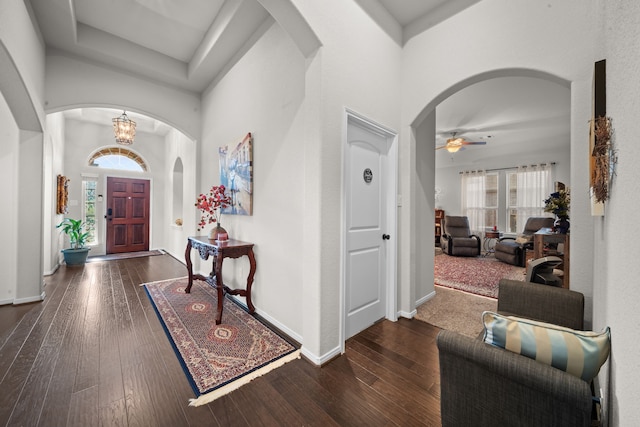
x: 562, y: 225
x: 216, y: 231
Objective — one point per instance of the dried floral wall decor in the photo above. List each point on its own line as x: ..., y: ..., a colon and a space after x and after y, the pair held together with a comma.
x: 603, y: 159
x: 62, y: 194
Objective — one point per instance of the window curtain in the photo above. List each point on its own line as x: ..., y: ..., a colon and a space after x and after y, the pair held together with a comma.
x: 473, y: 199
x: 534, y: 186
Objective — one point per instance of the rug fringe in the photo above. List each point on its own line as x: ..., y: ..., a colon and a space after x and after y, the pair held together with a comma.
x: 219, y: 392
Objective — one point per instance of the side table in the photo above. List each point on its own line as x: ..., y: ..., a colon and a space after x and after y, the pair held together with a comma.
x: 489, y: 241
x: 220, y: 250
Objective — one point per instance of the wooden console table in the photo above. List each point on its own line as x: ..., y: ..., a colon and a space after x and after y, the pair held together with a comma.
x: 541, y: 240
x: 220, y: 250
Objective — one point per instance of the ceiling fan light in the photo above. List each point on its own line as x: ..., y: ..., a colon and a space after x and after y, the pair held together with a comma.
x: 124, y: 129
x: 453, y: 148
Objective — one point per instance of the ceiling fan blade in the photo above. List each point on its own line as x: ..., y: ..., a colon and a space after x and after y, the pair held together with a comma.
x: 442, y: 146
x: 474, y: 143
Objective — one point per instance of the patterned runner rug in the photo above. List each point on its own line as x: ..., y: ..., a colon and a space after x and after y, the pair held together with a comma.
x: 479, y: 275
x: 217, y: 359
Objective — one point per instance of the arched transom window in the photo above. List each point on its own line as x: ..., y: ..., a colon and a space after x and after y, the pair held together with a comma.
x: 118, y: 158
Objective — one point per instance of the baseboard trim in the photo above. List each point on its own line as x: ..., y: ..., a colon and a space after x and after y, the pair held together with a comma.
x: 320, y: 360
x: 36, y: 298
x: 50, y: 273
x: 293, y: 335
x: 408, y: 314
x: 426, y: 298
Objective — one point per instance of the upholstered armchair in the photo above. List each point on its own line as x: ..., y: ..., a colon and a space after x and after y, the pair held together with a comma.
x: 457, y: 239
x: 512, y: 250
x: 484, y: 385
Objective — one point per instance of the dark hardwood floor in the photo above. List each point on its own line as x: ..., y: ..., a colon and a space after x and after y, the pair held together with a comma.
x: 94, y: 353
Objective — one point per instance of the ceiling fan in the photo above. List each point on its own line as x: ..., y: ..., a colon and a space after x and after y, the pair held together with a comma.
x: 454, y: 143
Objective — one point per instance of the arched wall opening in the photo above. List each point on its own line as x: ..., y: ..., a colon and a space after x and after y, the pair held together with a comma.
x: 78, y: 134
x: 178, y: 192
x: 423, y: 131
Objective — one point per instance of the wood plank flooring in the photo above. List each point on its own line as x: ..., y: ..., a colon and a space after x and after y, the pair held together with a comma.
x: 94, y: 353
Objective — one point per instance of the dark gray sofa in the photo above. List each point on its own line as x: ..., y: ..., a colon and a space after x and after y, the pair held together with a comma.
x: 483, y: 385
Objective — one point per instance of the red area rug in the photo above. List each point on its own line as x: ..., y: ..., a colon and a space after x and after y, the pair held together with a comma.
x: 217, y: 359
x: 479, y: 275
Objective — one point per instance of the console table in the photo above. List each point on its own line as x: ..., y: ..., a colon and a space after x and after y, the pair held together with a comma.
x: 220, y: 250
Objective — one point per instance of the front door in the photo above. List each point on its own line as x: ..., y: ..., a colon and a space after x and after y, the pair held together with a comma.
x: 370, y: 183
x: 127, y: 215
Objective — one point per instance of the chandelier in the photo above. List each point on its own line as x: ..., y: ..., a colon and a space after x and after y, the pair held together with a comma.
x: 124, y: 129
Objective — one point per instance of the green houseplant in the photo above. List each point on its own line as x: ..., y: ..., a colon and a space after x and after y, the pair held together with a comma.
x: 78, y: 252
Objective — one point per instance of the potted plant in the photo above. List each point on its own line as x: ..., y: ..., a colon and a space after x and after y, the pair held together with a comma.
x: 78, y: 252
x: 558, y: 204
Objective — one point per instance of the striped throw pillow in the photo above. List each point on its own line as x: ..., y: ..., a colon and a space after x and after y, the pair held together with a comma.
x: 580, y: 353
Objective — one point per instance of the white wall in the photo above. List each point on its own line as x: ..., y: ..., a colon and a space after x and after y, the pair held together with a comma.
x: 53, y: 166
x: 616, y: 267
x: 82, y: 139
x: 423, y: 223
x: 295, y: 110
x: 359, y: 68
x: 178, y: 146
x: 21, y: 65
x: 9, y: 135
x: 74, y: 83
x: 263, y: 94
x: 21, y: 85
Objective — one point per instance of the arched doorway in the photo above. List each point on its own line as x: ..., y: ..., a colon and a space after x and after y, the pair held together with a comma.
x: 428, y: 131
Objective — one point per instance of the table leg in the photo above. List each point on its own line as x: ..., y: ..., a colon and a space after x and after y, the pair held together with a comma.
x: 252, y: 272
x: 187, y: 258
x: 219, y: 285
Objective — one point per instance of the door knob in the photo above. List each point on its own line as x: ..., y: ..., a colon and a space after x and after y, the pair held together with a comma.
x: 385, y: 237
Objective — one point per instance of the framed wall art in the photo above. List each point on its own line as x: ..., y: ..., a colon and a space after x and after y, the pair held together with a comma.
x: 62, y: 194
x: 236, y: 174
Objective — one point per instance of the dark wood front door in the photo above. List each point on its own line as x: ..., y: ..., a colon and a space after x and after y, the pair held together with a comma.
x: 127, y: 215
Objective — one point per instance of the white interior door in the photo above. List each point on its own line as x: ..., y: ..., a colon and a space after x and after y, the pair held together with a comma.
x: 368, y: 242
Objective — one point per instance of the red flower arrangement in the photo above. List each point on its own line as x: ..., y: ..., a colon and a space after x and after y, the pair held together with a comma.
x: 211, y: 205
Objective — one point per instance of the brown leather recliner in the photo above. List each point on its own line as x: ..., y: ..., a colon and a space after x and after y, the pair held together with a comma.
x: 512, y: 251
x: 457, y: 239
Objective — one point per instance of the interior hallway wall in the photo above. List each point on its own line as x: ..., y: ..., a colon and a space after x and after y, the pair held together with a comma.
x: 263, y: 94
x: 9, y: 135
x: 615, y: 264
x: 21, y: 86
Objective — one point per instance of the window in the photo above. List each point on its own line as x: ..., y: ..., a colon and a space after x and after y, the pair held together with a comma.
x: 119, y: 158
x: 512, y: 202
x: 491, y: 200
x: 480, y: 200
x: 527, y: 189
x: 89, y: 185
x: 486, y: 205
